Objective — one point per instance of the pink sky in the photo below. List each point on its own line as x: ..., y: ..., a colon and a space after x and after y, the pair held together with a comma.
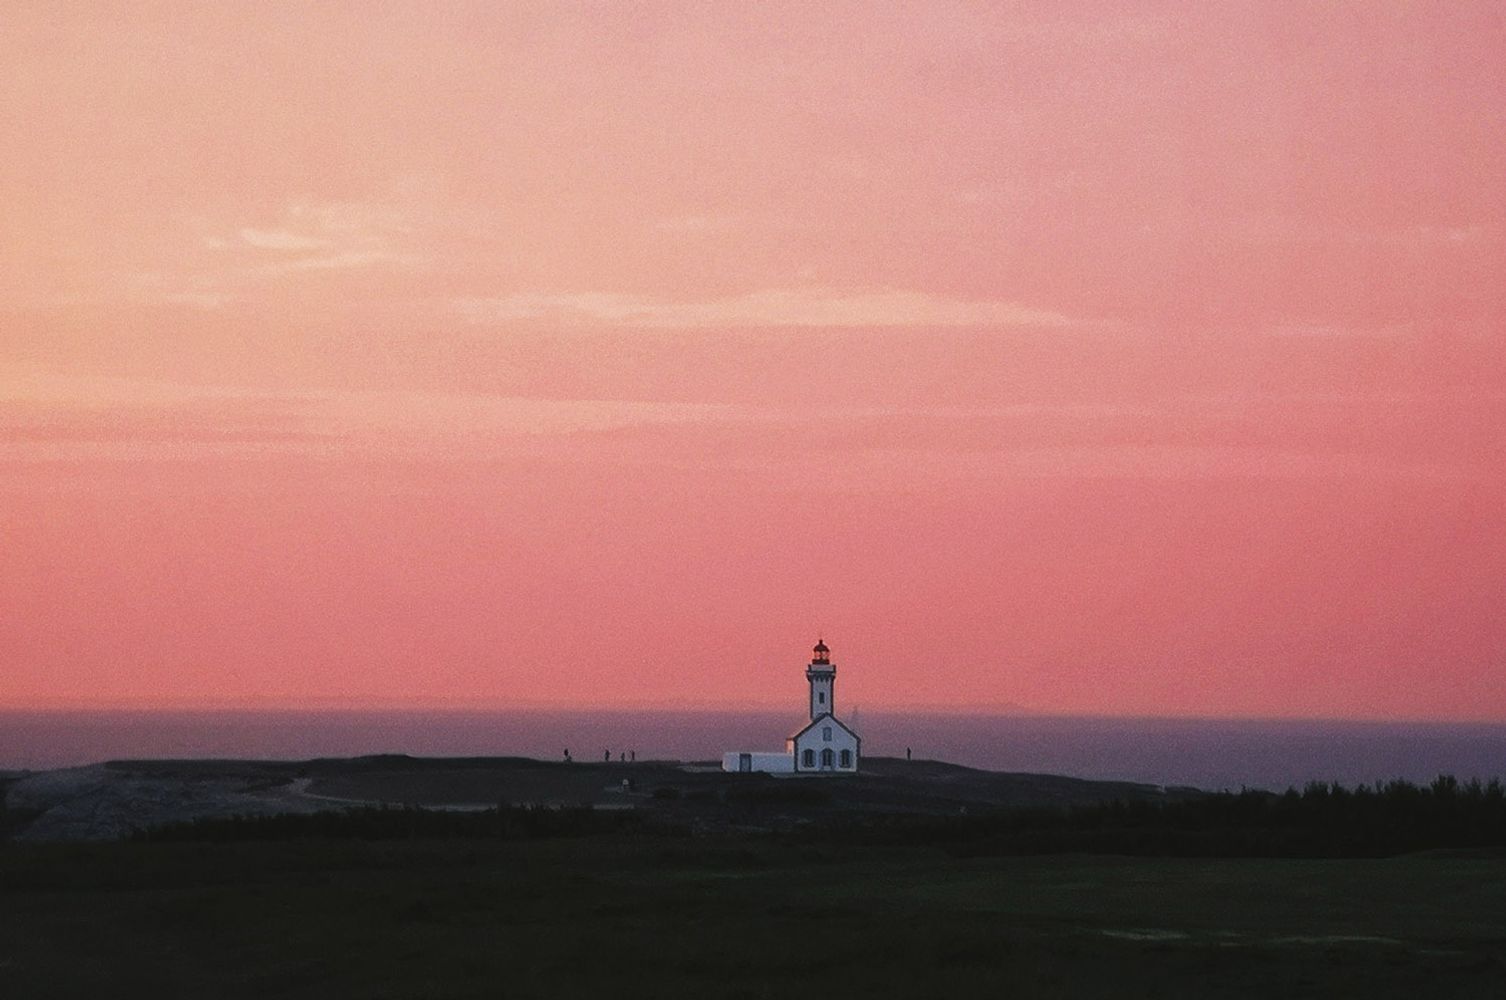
x: 1099, y: 357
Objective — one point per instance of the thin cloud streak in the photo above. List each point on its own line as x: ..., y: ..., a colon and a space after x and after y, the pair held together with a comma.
x: 280, y: 239
x: 50, y: 417
x: 822, y: 307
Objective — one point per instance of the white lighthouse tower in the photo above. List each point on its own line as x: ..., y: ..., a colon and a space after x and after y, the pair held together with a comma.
x: 822, y: 675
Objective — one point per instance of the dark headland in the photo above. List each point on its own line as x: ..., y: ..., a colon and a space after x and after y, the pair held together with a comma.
x: 117, y: 798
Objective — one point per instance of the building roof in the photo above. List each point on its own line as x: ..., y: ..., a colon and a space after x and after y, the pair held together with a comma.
x: 823, y: 717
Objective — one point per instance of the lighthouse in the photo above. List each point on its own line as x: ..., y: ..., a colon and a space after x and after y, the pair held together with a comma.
x: 824, y: 744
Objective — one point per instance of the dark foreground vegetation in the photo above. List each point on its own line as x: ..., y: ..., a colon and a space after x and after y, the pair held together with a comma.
x: 1321, y: 821
x: 403, y: 823
x: 1392, y: 891
x: 640, y: 915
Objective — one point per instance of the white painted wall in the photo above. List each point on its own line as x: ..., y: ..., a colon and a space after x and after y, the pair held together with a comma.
x: 815, y: 741
x: 769, y: 763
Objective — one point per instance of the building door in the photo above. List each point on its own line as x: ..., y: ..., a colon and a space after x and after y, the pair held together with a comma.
x: 745, y: 762
x: 828, y: 759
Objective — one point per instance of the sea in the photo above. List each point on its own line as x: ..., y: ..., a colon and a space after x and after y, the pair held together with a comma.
x: 1202, y: 753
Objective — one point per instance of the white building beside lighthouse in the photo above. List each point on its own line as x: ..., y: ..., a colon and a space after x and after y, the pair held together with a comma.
x: 824, y: 745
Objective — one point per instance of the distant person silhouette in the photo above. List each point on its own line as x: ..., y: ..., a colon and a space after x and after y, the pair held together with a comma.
x: 907, y: 753
x: 606, y: 756
x: 567, y: 753
x: 633, y: 756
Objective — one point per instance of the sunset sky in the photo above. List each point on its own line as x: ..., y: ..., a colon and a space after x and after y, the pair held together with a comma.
x: 1093, y: 358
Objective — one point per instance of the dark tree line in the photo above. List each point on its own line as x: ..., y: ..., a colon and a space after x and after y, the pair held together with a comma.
x: 1321, y: 820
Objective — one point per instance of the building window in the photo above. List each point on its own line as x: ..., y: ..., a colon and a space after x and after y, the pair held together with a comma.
x: 846, y: 758
x: 820, y: 697
x: 826, y: 733
x: 826, y: 757
x: 808, y: 759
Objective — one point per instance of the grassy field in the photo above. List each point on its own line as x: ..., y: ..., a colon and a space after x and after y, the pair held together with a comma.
x: 661, y: 917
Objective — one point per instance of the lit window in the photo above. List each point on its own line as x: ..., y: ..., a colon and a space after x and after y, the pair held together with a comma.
x: 826, y: 733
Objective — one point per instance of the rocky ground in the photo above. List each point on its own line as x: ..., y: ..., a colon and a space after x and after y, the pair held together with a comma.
x: 110, y: 800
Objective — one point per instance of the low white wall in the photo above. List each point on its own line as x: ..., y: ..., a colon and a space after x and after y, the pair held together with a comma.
x: 771, y: 763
